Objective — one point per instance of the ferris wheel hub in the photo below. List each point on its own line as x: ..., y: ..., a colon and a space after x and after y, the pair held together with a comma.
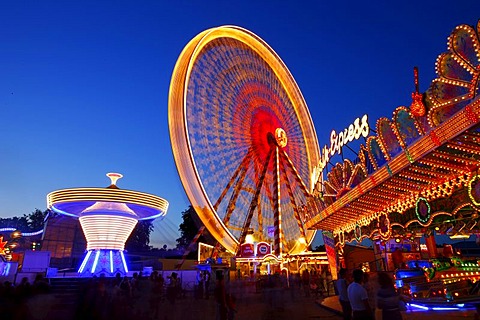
x: 281, y: 137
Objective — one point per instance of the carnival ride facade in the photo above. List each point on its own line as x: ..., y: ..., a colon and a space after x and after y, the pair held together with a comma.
x: 420, y: 172
x: 419, y: 175
x: 107, y: 216
x: 243, y: 141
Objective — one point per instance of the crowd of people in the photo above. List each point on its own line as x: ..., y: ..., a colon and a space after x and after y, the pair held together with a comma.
x: 154, y: 297
x: 119, y: 297
x: 361, y: 297
x: 14, y: 298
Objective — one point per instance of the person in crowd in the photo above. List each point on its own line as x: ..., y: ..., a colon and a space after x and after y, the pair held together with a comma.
x: 372, y: 289
x: 397, y: 258
x: 200, y: 284
x: 306, y: 283
x: 341, y: 286
x: 231, y: 306
x: 388, y: 299
x: 156, y: 290
x: 206, y: 281
x: 172, y: 289
x: 125, y: 288
x: 314, y: 284
x: 358, y: 297
x: 220, y: 296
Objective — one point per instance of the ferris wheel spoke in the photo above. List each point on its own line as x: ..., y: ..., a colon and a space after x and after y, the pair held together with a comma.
x: 236, y: 192
x: 254, y: 202
x: 259, y: 215
x: 295, y: 173
x: 241, y: 167
x: 293, y: 202
x: 277, y: 222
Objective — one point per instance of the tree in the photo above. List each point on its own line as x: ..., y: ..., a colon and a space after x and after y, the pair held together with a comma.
x: 189, y: 229
x: 139, y: 240
x: 15, y: 222
x: 27, y: 223
x: 319, y: 248
x: 36, y: 220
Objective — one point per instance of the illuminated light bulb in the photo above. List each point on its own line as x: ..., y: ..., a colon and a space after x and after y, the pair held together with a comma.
x: 249, y: 237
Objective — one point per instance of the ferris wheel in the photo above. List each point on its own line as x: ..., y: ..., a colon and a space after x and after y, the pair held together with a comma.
x: 243, y: 140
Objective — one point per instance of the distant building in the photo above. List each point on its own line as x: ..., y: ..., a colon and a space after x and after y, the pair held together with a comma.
x: 64, y: 238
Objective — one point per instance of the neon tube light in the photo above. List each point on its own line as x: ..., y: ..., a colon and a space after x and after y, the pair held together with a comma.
x: 444, y: 308
x: 418, y: 306
x: 107, y: 231
x: 111, y: 262
x: 124, y: 262
x: 97, y: 254
x: 6, y: 270
x: 24, y: 234
x: 84, y: 261
x: 29, y: 234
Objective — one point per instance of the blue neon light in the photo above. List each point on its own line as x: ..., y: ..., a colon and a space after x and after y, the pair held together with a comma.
x: 80, y: 270
x: 6, y: 270
x: 444, y: 308
x: 30, y: 234
x: 7, y: 229
x: 26, y: 234
x: 417, y: 306
x: 111, y: 261
x: 64, y: 212
x: 97, y: 254
x: 124, y: 262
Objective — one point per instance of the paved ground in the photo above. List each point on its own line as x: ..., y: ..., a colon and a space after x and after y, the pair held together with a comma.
x: 250, y: 305
x: 269, y: 304
x: 272, y: 303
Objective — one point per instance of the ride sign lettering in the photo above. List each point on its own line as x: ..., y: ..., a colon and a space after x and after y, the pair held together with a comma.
x: 359, y: 128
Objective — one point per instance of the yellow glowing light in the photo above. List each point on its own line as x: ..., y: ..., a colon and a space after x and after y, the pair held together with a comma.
x: 281, y: 137
x: 459, y: 236
x: 107, y: 195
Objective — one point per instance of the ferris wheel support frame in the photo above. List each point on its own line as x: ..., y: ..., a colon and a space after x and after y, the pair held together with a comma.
x: 292, y: 200
x: 254, y: 202
x: 278, y: 165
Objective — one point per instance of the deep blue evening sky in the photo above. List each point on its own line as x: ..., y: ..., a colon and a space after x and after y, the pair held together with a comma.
x: 84, y: 84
